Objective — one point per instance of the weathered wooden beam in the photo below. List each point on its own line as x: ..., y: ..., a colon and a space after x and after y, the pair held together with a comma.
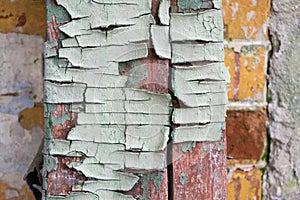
x: 107, y: 75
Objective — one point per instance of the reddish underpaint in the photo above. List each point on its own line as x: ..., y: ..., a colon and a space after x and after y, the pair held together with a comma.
x: 60, y: 131
x: 152, y: 192
x: 205, y: 170
x: 236, y: 78
x: 154, y: 10
x: 53, y: 32
x: 157, y: 75
x: 61, y: 180
x: 156, y: 81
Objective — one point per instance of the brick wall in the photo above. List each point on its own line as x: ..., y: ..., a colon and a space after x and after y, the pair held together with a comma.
x: 246, y: 55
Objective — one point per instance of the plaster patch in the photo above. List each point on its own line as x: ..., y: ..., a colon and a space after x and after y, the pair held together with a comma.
x: 21, y: 65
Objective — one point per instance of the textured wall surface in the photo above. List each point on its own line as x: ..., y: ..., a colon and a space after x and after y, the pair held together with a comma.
x: 21, y: 114
x: 283, y: 173
x: 21, y: 92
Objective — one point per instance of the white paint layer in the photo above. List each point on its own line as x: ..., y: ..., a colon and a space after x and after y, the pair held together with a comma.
x: 103, y: 56
x: 208, y: 133
x: 205, y: 26
x: 64, y: 93
x: 163, y: 12
x: 160, y: 40
x: 193, y: 52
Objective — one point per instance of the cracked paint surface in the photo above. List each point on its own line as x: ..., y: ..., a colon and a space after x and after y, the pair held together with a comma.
x: 107, y: 67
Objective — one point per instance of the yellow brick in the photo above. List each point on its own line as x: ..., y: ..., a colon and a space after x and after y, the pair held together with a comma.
x: 23, y: 16
x: 246, y: 19
x: 245, y: 185
x: 247, y: 72
x: 23, y: 193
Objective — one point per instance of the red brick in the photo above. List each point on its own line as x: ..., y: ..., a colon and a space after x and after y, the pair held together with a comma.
x: 246, y: 134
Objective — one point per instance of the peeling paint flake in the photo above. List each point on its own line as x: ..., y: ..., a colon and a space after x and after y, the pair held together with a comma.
x: 135, y: 2
x: 147, y: 138
x: 98, y: 171
x: 76, y: 27
x: 64, y: 93
x: 204, y: 26
x: 119, y: 36
x: 50, y: 49
x: 214, y: 71
x: 145, y: 161
x: 191, y: 115
x: 70, y: 42
x: 160, y: 40
x: 74, y: 196
x: 105, y: 194
x: 104, y: 15
x: 217, y: 4
x: 163, y: 12
x: 198, y: 115
x: 86, y: 57
x: 204, y: 133
x: 193, y: 52
x: 122, y: 119
x: 98, y: 133
x: 125, y: 183
x: 208, y: 99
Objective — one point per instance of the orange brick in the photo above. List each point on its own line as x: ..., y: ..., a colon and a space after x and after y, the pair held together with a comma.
x: 245, y: 185
x: 247, y: 71
x: 246, y: 134
x: 8, y: 193
x: 246, y: 19
x: 23, y: 16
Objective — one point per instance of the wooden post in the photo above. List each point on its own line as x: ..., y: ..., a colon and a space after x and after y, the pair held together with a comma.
x: 121, y: 77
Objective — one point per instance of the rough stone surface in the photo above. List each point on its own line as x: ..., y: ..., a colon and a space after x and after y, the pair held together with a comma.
x: 283, y: 173
x: 246, y: 134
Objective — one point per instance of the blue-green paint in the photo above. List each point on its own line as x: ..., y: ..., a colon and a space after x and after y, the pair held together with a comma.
x: 190, y: 5
x: 188, y: 146
x: 183, y: 178
x: 60, y: 13
x: 145, y: 179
